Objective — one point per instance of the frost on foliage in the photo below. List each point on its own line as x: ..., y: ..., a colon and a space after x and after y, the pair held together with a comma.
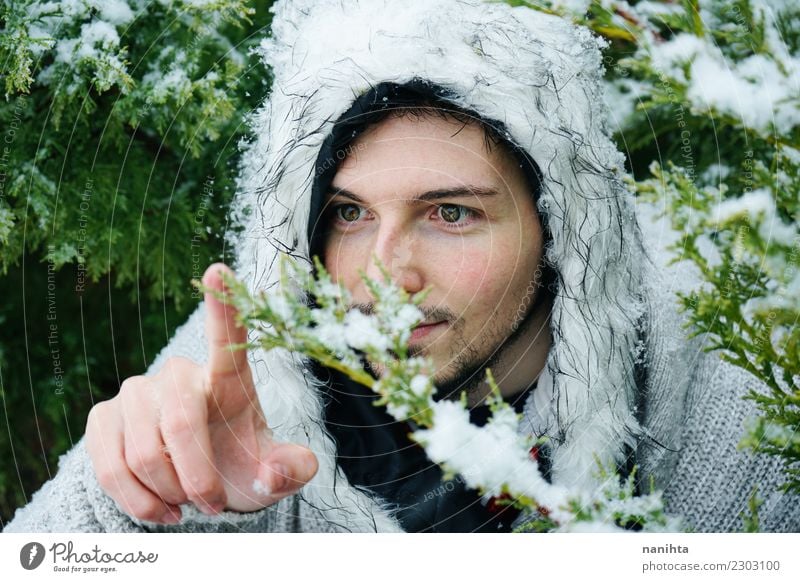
x: 494, y: 459
x: 759, y: 91
x: 733, y: 59
x: 715, y: 84
x: 126, y: 84
x: 362, y: 332
x: 77, y: 43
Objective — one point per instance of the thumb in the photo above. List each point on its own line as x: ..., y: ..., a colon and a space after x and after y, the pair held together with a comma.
x: 286, y: 469
x: 222, y: 329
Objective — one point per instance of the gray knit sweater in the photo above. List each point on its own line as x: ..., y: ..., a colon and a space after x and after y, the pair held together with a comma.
x: 614, y: 314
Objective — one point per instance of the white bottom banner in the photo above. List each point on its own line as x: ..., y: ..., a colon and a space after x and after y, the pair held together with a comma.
x: 390, y: 557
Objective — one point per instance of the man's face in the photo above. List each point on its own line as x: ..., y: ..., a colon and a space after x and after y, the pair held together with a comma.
x: 438, y: 208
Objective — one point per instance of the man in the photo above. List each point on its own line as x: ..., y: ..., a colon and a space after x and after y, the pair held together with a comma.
x: 464, y: 144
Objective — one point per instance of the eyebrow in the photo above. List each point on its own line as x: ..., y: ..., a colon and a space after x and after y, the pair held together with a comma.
x: 430, y: 195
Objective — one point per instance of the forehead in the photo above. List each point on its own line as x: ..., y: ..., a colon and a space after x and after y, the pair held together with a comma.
x: 413, y: 153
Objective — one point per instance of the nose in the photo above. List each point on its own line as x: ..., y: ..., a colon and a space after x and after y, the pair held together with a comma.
x: 396, y: 247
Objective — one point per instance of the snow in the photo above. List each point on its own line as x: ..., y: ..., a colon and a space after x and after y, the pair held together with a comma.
x: 116, y: 12
x: 362, y: 333
x: 486, y: 457
x: 71, y: 8
x: 781, y: 434
x: 669, y: 57
x: 621, y: 97
x: 648, y: 8
x: 753, y: 90
x: 751, y: 203
x: 65, y: 49
x: 331, y: 291
x: 791, y: 154
x: 760, y: 91
x: 280, y: 306
x: 505, y: 419
x: 42, y: 10
x: 44, y: 38
x: 398, y: 411
x: 493, y: 458
x: 572, y: 6
x: 98, y: 41
x: 715, y: 173
x: 329, y: 332
x: 92, y: 34
x: 419, y: 384
x: 174, y: 83
x: 763, y: 306
x: 97, y: 32
x: 754, y: 204
x: 260, y: 488
x: 774, y: 230
x: 405, y: 317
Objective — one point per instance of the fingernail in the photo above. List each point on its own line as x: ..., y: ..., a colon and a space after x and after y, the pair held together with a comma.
x: 280, y: 478
x: 311, y: 465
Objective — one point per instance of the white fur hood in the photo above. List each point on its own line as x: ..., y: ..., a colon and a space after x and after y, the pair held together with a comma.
x: 540, y: 77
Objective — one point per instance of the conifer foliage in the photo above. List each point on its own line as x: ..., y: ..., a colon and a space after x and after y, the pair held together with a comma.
x: 705, y: 95
x: 120, y: 123
x: 119, y: 136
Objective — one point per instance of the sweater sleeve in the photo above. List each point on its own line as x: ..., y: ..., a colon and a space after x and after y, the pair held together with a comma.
x: 73, y: 500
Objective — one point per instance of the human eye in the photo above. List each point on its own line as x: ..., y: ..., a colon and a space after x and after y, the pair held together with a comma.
x: 455, y: 215
x: 347, y: 213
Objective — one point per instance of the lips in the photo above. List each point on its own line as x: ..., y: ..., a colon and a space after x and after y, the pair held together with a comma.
x: 425, y: 329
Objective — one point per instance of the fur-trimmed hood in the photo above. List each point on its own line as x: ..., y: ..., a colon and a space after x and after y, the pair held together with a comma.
x: 538, y: 75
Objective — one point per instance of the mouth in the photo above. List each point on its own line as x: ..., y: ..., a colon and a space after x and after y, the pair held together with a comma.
x: 426, y: 329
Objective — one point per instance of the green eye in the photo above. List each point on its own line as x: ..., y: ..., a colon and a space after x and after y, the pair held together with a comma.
x: 452, y: 213
x: 348, y: 212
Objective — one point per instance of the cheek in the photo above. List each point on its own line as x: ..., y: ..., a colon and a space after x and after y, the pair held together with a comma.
x: 483, y: 279
x: 343, y: 257
x: 468, y: 279
x: 338, y: 261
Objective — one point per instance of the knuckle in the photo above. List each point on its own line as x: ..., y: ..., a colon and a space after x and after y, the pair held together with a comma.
x: 143, y: 463
x: 176, y: 375
x: 176, y: 424
x: 146, y: 509
x: 107, y: 479
x: 131, y: 386
x: 176, y: 365
x: 203, y: 491
x: 95, y: 417
x: 100, y: 430
x: 240, y: 376
x: 215, y: 378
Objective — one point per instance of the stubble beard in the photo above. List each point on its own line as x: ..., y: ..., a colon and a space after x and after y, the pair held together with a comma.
x: 469, y: 364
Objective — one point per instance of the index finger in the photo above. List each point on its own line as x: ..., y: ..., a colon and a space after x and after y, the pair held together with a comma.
x: 222, y: 329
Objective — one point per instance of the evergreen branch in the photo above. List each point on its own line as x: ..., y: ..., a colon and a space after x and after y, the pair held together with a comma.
x: 324, y: 330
